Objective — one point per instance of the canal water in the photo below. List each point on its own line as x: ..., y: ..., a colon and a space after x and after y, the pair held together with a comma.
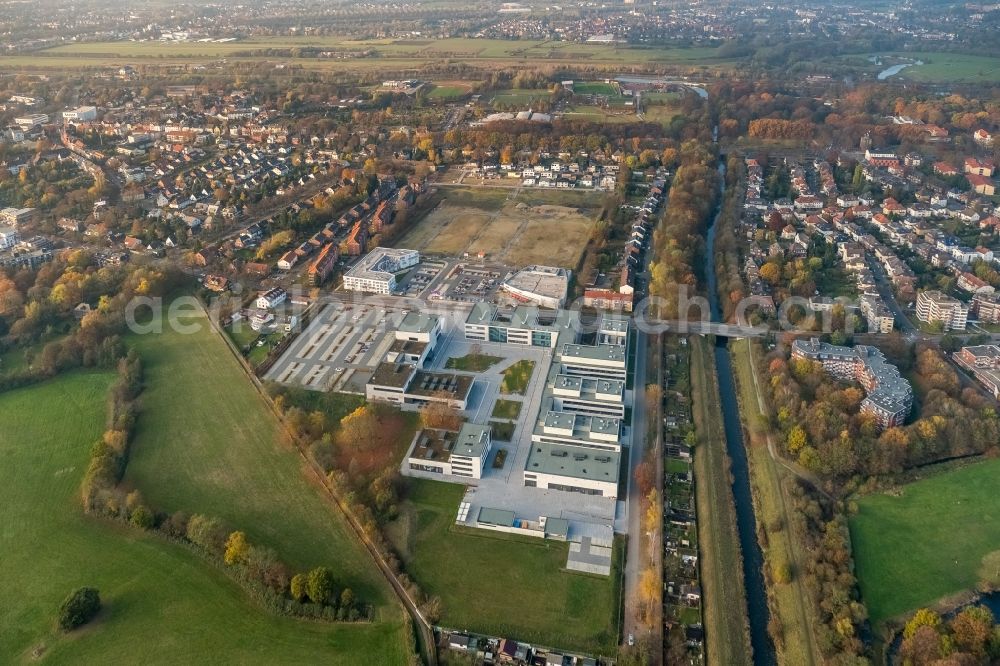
x: 753, y: 558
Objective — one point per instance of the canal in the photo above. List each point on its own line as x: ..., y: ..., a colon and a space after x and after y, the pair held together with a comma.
x: 753, y: 558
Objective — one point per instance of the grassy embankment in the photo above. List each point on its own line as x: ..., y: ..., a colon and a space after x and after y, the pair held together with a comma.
x: 789, y: 601
x: 726, y: 624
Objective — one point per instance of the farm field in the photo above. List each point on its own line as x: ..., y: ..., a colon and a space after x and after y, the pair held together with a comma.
x: 162, y: 603
x: 937, y: 67
x: 206, y: 443
x: 458, y: 46
x: 953, y: 67
x: 502, y: 584
x: 927, y: 541
x: 507, y: 224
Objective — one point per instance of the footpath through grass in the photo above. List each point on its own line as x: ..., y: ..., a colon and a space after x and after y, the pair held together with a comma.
x: 162, y: 603
x: 501, y: 584
x: 206, y: 442
x: 927, y: 540
x: 726, y: 623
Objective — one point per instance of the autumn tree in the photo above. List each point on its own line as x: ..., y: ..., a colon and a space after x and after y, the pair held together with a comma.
x: 439, y: 413
x: 237, y: 549
x: 320, y: 585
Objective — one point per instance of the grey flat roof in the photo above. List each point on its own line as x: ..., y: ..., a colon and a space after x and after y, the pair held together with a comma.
x: 396, y: 375
x: 556, y: 526
x: 481, y: 313
x: 573, y: 461
x: 555, y: 419
x: 418, y: 322
x: 568, y: 381
x: 599, y: 352
x: 495, y: 516
x: 472, y: 440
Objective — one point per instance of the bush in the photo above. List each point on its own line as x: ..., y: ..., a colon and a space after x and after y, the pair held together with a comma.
x: 79, y: 608
x: 142, y: 518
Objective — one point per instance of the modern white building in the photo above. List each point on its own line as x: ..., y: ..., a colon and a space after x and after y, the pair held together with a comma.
x: 9, y: 237
x: 457, y: 454
x: 934, y: 306
x: 572, y: 469
x: 415, y: 340
x: 376, y: 272
x: 540, y: 285
x: 80, y: 114
x: 31, y: 120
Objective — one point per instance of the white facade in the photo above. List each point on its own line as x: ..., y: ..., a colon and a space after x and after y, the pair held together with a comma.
x: 31, y: 120
x: 81, y: 114
x: 934, y: 306
x: 272, y: 298
x: 9, y: 237
x: 375, y: 272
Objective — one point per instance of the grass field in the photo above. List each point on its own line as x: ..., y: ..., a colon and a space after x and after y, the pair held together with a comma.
x: 727, y: 631
x: 593, y: 88
x: 521, y: 96
x: 953, y: 67
x: 599, y: 114
x: 501, y: 584
x: 936, y: 68
x: 517, y: 376
x: 448, y: 90
x: 927, y: 541
x: 162, y: 603
x: 508, y: 225
x: 472, y: 362
x: 206, y: 442
x: 506, y: 409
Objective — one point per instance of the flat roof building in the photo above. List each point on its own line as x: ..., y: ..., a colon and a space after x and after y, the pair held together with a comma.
x: 889, y: 396
x: 541, y: 285
x: 446, y: 452
x: 935, y: 306
x: 375, y: 272
x: 573, y: 469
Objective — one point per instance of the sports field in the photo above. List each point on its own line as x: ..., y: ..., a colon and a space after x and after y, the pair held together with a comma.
x: 162, y: 603
x: 928, y: 540
x: 206, y: 443
x: 447, y: 90
x: 509, y: 225
x: 501, y: 584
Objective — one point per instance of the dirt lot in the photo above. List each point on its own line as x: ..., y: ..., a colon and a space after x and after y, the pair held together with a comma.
x: 506, y: 229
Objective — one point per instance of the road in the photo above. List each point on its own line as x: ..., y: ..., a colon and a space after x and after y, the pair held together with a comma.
x: 634, y: 555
